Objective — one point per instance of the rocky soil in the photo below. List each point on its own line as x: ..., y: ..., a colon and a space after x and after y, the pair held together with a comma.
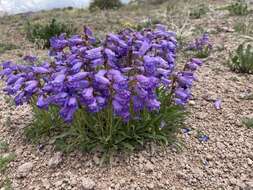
x: 224, y: 160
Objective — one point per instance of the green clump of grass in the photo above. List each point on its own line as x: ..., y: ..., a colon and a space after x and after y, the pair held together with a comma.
x: 3, y: 145
x: 7, y: 184
x: 148, y: 23
x: 105, y: 4
x: 199, y: 11
x: 103, y: 131
x: 238, y: 8
x: 242, y: 60
x: 7, y: 46
x: 40, y: 34
x: 248, y: 122
x: 244, y: 26
x: 5, y: 160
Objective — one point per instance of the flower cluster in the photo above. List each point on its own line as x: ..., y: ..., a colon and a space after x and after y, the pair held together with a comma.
x: 123, y: 73
x: 185, y: 80
x: 201, y: 44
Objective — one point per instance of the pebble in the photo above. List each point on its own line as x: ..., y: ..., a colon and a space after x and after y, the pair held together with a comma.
x: 24, y: 169
x: 192, y: 103
x: 249, y: 161
x: 55, y: 160
x: 149, y: 167
x: 87, y: 184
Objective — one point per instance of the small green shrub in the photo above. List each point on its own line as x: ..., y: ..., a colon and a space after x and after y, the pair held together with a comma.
x: 5, y: 160
x: 103, y: 130
x: 40, y: 34
x: 238, y: 8
x: 148, y: 23
x: 199, y: 11
x: 105, y: 4
x: 7, y: 185
x: 7, y: 46
x: 3, y: 145
x: 244, y: 26
x: 242, y: 60
x: 248, y: 123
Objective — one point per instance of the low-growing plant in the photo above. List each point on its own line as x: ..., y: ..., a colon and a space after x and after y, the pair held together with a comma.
x: 201, y: 47
x: 147, y: 23
x: 238, y: 8
x: 5, y: 160
x: 3, y: 145
x: 199, y: 11
x: 40, y: 34
x: 7, y: 46
x: 115, y: 96
x: 242, y: 59
x: 248, y: 122
x: 7, y: 185
x: 244, y: 26
x: 105, y: 4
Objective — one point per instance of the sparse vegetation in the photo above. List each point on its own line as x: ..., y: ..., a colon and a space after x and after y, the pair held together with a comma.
x: 198, y: 11
x: 242, y: 59
x: 248, y: 122
x: 5, y: 160
x: 238, y: 8
x: 244, y: 26
x: 7, y: 46
x: 105, y: 4
x: 6, y: 185
x: 3, y: 146
x: 40, y: 34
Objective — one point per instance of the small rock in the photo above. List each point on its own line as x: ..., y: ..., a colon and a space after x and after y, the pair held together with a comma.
x: 233, y: 181
x: 209, y: 157
x: 192, y: 103
x: 249, y: 161
x: 149, y: 167
x: 220, y: 145
x: 151, y: 185
x: 46, y: 183
x: 181, y: 175
x: 58, y: 183
x: 24, y: 169
x: 96, y: 159
x: 55, y: 160
x: 87, y: 184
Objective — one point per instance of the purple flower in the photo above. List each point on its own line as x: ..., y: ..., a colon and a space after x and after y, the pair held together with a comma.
x: 40, y: 70
x: 126, y: 72
x: 30, y: 59
x: 31, y: 86
x: 95, y: 53
x: 42, y: 102
x: 203, y: 138
x: 153, y: 104
x: 77, y: 77
x: 217, y: 104
x: 70, y: 107
x: 59, y: 79
x: 100, y: 78
x: 87, y: 94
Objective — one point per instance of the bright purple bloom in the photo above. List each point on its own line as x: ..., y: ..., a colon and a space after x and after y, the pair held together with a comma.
x: 126, y: 71
x: 217, y: 104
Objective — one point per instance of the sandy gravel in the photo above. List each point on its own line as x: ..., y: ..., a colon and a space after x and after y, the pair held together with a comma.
x: 224, y: 161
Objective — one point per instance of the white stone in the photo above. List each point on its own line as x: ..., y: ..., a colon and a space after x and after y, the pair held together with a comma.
x: 55, y: 160
x: 24, y: 169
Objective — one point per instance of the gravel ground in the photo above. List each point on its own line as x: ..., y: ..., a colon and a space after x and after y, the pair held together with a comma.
x: 224, y: 161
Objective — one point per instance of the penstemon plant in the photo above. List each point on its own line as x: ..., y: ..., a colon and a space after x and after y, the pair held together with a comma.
x: 112, y: 96
x: 201, y: 46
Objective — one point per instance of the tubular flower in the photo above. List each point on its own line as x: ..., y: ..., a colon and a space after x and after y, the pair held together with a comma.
x: 123, y: 73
